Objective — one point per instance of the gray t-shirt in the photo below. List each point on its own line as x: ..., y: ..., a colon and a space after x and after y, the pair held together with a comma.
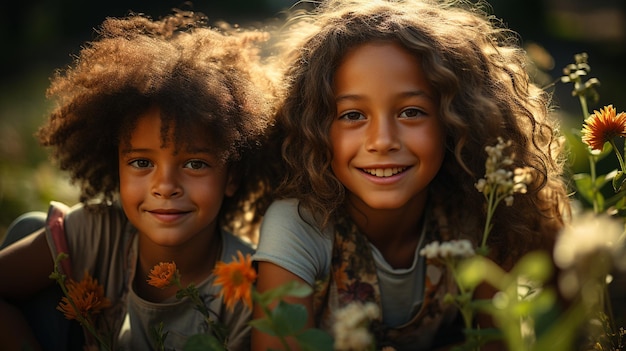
x: 299, y: 246
x: 105, y: 245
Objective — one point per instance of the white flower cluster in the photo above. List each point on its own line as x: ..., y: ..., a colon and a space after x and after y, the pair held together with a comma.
x: 586, y: 250
x: 351, y: 326
x: 498, y: 178
x: 448, y: 249
x: 586, y: 235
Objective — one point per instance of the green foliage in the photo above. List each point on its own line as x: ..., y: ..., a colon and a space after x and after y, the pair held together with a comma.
x: 289, y: 320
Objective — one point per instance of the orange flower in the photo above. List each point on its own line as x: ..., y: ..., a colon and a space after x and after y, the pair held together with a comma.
x: 603, y: 126
x: 163, y: 275
x: 236, y: 279
x: 87, y: 296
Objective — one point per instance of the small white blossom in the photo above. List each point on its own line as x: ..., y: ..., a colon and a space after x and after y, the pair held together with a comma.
x: 499, y: 178
x: 448, y: 249
x: 508, y: 200
x: 431, y: 250
x: 351, y: 326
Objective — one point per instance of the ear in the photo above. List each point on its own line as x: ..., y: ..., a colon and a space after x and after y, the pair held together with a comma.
x: 232, y: 183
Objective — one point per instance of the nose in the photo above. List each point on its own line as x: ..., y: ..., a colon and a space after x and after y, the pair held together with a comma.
x: 382, y: 135
x: 165, y: 183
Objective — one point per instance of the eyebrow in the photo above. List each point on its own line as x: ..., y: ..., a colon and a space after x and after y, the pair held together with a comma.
x: 204, y: 150
x: 131, y: 150
x: 407, y: 94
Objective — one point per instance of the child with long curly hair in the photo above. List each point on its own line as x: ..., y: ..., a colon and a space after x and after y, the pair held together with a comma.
x: 160, y: 123
x: 388, y: 109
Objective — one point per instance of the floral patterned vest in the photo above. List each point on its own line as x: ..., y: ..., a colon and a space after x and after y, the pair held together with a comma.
x: 353, y: 278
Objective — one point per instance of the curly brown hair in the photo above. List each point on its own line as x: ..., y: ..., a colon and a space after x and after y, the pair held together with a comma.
x: 201, y: 77
x: 479, y: 71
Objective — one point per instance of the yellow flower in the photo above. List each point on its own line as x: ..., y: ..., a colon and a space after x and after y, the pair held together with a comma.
x: 602, y: 126
x: 163, y: 275
x: 236, y: 279
x: 87, y: 296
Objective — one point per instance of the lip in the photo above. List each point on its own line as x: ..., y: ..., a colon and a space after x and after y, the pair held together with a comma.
x: 384, y: 174
x: 168, y: 215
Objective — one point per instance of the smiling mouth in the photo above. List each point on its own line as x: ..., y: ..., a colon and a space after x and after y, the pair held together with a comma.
x: 168, y: 212
x: 384, y: 172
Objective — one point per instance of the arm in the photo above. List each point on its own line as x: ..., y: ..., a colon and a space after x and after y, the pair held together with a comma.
x: 24, y: 270
x: 14, y: 330
x: 25, y: 267
x: 271, y: 276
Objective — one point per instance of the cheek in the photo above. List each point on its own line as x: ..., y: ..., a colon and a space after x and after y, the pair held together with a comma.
x: 437, y: 149
x: 131, y: 188
x: 344, y: 143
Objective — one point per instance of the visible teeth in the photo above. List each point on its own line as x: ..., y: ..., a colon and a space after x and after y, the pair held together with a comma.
x: 384, y: 172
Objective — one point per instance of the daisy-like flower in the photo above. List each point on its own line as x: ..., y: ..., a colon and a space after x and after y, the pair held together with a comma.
x: 236, y: 279
x: 85, y: 299
x: 603, y: 126
x: 163, y: 275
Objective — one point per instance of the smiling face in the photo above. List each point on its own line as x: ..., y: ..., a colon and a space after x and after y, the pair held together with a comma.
x: 171, y: 197
x: 387, y: 139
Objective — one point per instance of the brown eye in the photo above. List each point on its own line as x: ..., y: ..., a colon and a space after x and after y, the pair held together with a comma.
x: 412, y: 113
x: 140, y: 163
x: 196, y: 164
x: 352, y: 116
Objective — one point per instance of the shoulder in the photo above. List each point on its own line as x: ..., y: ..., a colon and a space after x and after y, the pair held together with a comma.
x: 95, y: 227
x: 282, y: 207
x: 291, y: 239
x: 93, y: 214
x: 287, y: 214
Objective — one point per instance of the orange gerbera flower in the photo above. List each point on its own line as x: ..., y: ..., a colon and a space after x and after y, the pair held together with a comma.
x: 163, y: 275
x: 236, y: 279
x: 87, y: 296
x: 603, y: 126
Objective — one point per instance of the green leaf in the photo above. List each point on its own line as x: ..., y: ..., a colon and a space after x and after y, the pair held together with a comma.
x: 203, y: 342
x: 314, y: 340
x: 288, y: 318
x: 618, y: 181
x: 588, y: 190
x: 292, y: 288
x: 536, y: 266
x: 264, y: 325
x: 285, y: 320
x: 476, y: 269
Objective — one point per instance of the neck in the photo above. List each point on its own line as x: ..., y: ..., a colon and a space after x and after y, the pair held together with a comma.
x: 195, y: 261
x: 395, y: 233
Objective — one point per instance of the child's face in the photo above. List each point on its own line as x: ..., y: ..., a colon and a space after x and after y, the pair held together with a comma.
x: 171, y: 198
x: 387, y: 140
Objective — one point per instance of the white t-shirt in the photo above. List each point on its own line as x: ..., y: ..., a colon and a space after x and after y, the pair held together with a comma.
x: 105, y: 245
x: 299, y: 246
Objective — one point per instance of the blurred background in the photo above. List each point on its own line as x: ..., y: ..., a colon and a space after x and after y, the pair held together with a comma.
x: 38, y: 36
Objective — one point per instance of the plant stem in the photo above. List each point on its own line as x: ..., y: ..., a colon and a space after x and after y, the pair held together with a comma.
x: 81, y: 319
x: 490, y: 210
x: 619, y: 155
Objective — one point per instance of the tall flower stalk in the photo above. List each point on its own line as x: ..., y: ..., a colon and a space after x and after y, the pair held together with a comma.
x: 166, y: 274
x: 451, y: 254
x: 82, y: 301
x: 599, y: 134
x: 499, y: 184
